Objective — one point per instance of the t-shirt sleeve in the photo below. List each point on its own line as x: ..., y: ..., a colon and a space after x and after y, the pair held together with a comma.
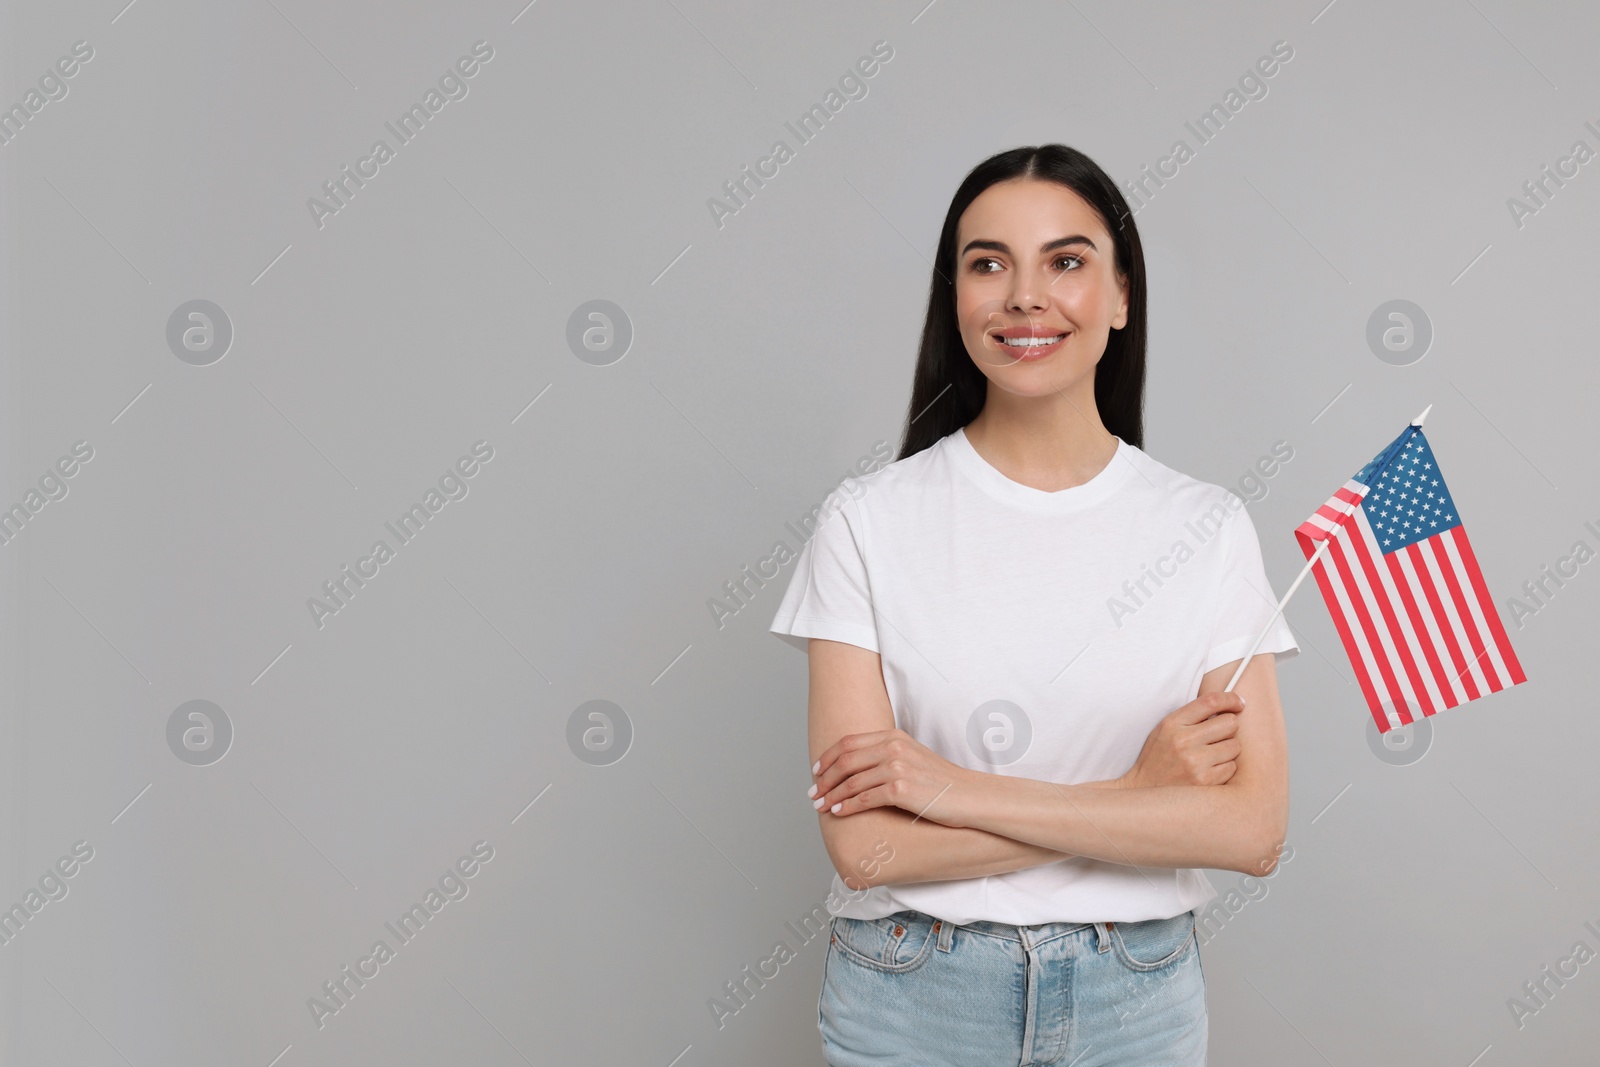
x: 1245, y: 600
x: 829, y: 595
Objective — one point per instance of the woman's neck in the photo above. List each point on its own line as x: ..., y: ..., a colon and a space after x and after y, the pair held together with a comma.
x: 1046, y: 446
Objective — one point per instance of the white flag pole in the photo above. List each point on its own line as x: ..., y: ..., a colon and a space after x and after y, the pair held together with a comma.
x: 1312, y: 562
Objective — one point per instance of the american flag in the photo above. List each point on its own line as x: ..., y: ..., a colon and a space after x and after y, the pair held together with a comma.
x: 1404, y: 589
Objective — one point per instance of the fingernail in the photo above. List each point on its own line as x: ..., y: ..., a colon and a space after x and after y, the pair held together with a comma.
x: 812, y: 791
x: 817, y: 766
x: 817, y: 803
x: 836, y: 807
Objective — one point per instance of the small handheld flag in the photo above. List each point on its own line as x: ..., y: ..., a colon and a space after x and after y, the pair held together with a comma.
x: 1404, y: 587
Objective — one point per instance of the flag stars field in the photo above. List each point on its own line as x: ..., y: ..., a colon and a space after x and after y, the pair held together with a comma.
x: 1386, y: 494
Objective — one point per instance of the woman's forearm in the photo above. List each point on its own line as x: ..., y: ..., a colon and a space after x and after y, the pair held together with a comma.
x: 921, y: 850
x: 1237, y: 826
x: 887, y: 846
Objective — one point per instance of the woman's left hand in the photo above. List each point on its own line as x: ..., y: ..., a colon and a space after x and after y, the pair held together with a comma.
x: 887, y: 769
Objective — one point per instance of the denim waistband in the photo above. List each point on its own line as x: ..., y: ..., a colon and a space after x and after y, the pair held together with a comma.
x: 1029, y: 936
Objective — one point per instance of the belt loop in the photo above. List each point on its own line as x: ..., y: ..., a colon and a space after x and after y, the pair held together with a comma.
x: 947, y: 931
x: 1102, y: 936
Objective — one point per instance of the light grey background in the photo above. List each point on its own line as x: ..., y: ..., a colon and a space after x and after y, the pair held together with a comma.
x: 768, y: 355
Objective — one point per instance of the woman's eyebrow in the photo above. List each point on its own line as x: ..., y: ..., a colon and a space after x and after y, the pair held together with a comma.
x: 1048, y: 246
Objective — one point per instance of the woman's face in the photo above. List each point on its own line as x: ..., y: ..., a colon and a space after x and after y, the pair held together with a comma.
x: 1033, y: 260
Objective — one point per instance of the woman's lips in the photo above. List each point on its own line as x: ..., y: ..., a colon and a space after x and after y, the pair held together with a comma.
x: 1029, y: 353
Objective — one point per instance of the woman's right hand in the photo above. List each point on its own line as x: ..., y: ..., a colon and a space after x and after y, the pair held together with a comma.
x: 1194, y: 745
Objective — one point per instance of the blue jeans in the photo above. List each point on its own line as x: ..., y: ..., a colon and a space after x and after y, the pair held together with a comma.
x: 910, y: 990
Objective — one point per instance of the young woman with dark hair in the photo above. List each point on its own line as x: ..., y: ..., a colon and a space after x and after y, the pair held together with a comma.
x: 1018, y: 633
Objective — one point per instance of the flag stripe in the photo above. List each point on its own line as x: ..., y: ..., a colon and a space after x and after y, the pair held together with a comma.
x: 1355, y: 627
x: 1333, y: 595
x: 1393, y: 642
x: 1398, y: 628
x: 1328, y: 516
x: 1460, y: 689
x: 1377, y: 648
x: 1331, y: 515
x: 1486, y: 602
x: 1488, y: 657
x: 1422, y: 630
x: 1468, y: 626
x: 1473, y: 677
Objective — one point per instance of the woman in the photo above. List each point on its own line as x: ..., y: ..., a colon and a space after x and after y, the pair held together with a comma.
x: 1018, y: 634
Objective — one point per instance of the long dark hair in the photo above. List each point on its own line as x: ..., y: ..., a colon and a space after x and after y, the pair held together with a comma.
x: 948, y: 389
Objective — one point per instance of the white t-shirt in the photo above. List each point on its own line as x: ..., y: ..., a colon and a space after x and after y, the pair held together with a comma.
x: 1037, y: 634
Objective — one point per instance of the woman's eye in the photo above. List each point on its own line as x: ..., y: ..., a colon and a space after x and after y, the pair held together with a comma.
x: 978, y: 265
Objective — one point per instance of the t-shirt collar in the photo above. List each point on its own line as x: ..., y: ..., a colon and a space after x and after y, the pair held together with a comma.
x: 1074, y: 498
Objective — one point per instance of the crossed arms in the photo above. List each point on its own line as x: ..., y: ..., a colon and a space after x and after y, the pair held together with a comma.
x: 1210, y: 788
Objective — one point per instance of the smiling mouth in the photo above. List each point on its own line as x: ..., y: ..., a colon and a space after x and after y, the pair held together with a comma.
x: 1030, y: 342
